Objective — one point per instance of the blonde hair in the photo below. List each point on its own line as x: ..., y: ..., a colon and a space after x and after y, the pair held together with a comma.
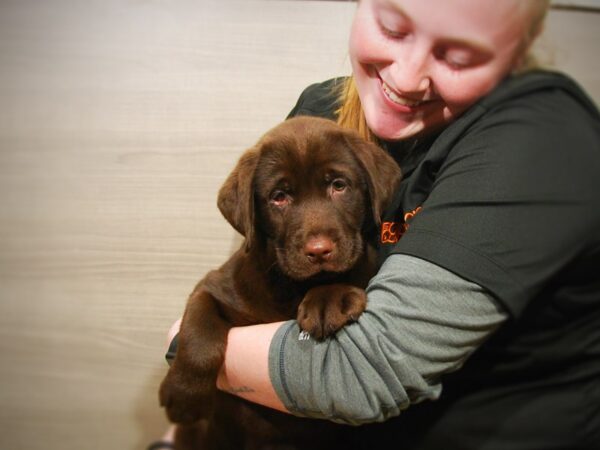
x: 351, y: 115
x: 538, y: 9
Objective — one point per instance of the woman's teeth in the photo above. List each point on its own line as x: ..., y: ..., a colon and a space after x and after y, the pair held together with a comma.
x: 399, y: 100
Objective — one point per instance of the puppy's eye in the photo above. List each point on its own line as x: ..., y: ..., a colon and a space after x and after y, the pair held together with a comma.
x: 279, y: 198
x: 338, y: 185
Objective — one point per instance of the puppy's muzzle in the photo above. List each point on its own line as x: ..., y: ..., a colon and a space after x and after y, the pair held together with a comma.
x: 319, y: 249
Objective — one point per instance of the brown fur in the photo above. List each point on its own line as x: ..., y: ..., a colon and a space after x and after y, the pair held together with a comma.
x: 308, y: 198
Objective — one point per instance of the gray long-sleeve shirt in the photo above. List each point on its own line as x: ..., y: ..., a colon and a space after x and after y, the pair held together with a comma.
x: 421, y: 321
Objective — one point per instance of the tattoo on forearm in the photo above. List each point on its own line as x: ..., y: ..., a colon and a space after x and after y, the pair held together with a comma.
x: 239, y: 390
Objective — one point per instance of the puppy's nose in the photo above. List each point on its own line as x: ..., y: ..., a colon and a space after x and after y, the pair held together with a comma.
x: 319, y: 249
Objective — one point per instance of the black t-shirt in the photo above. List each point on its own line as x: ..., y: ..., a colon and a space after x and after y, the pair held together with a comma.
x: 507, y: 196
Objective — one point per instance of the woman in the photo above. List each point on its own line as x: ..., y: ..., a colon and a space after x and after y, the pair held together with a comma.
x: 488, y: 300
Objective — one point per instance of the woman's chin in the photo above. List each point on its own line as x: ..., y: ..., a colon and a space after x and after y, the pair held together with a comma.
x: 393, y: 129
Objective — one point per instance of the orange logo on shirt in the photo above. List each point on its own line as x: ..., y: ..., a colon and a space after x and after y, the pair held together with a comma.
x: 392, y: 232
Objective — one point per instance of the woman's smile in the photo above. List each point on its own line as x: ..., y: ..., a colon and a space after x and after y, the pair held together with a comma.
x: 400, y: 102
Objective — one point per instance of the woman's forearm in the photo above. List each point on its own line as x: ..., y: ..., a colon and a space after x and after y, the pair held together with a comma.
x: 245, y: 372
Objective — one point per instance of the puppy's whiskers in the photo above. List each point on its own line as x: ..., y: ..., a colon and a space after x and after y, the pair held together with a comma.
x: 272, y: 266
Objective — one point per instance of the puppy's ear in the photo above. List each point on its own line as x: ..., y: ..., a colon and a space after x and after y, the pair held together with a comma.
x: 236, y: 196
x: 383, y: 174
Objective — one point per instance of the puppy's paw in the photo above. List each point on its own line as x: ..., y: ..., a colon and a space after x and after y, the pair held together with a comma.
x: 326, y: 309
x: 187, y: 399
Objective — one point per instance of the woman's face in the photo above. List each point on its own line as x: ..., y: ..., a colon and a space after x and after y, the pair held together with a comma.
x: 419, y: 64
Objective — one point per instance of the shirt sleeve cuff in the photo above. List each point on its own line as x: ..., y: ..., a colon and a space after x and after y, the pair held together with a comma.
x: 289, y: 330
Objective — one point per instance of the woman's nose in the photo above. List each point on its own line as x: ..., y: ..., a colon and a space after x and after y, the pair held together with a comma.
x: 410, y: 71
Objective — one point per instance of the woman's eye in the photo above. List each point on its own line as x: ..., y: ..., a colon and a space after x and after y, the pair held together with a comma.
x: 392, y: 24
x: 279, y: 198
x: 456, y: 59
x: 457, y: 63
x: 393, y: 34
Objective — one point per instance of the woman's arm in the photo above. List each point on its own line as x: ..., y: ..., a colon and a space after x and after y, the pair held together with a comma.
x: 421, y: 321
x: 245, y: 372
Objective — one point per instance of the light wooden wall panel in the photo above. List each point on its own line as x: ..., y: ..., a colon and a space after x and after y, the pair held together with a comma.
x: 119, y: 120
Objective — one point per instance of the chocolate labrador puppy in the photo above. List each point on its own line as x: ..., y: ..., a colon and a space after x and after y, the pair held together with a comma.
x: 308, y: 199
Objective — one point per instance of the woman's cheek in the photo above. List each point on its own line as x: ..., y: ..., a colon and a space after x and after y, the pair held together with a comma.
x: 461, y: 92
x: 362, y: 47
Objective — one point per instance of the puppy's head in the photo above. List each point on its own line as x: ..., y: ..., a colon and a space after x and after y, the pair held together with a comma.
x: 309, y: 189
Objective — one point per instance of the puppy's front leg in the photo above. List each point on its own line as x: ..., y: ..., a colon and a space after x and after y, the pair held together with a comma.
x: 325, y: 309
x: 189, y: 388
